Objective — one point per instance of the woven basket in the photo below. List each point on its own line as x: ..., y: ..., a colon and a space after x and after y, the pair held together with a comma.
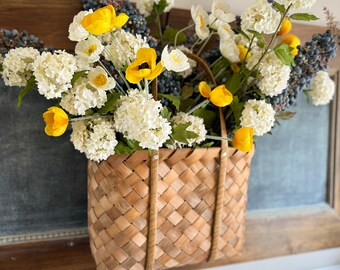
x: 119, y: 208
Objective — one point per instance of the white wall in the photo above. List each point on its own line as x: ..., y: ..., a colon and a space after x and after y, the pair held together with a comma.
x: 238, y: 6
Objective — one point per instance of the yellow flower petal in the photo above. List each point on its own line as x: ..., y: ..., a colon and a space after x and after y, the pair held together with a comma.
x: 243, y: 52
x: 204, y: 89
x: 221, y: 96
x: 121, y: 20
x: 103, y: 20
x: 56, y: 121
x: 135, y: 73
x: 286, y: 26
x: 293, y: 41
x: 243, y: 139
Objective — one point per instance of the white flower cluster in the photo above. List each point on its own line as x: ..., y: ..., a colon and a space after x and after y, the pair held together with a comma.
x: 274, y: 74
x: 298, y: 4
x: 96, y: 138
x: 18, y: 66
x: 260, y: 17
x: 54, y: 72
x: 138, y: 118
x: 196, y: 125
x: 76, y: 30
x: 259, y: 115
x: 122, y: 47
x: 145, y: 6
x: 82, y: 96
x: 323, y: 89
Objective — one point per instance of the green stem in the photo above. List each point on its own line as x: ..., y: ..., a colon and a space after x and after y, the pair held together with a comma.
x: 204, y: 44
x: 267, y: 48
x: 200, y: 105
x: 89, y: 117
x: 217, y: 138
x: 248, y: 51
x: 180, y: 31
x: 117, y: 84
x: 160, y: 30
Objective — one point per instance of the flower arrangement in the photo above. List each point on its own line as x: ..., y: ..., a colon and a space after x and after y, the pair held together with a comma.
x: 124, y: 90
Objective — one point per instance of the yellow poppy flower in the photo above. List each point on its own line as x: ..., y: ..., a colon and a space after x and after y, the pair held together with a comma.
x: 286, y: 26
x: 293, y: 41
x: 144, y: 66
x: 220, y: 96
x: 56, y: 121
x: 243, y: 139
x: 103, y: 20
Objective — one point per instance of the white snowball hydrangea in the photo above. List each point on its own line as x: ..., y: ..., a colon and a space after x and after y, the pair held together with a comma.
x: 76, y: 31
x: 145, y: 7
x: 323, y: 89
x: 274, y: 75
x: 54, y: 72
x: 138, y: 118
x: 82, y: 96
x: 298, y: 4
x: 125, y: 52
x: 197, y: 126
x: 18, y: 66
x: 260, y: 17
x: 259, y: 115
x: 96, y: 138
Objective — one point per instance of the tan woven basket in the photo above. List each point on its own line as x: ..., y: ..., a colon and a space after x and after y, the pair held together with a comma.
x: 119, y: 208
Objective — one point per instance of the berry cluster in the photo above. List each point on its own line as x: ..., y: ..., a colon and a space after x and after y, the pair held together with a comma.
x: 312, y: 57
x: 10, y: 39
x: 167, y: 84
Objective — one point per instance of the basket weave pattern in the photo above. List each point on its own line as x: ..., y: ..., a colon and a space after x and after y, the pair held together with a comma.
x: 118, y: 207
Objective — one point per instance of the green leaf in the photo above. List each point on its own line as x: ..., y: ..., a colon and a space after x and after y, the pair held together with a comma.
x: 207, y: 145
x: 261, y: 40
x: 165, y: 113
x: 279, y: 7
x: 28, y: 88
x: 89, y: 112
x: 111, y: 103
x: 174, y: 100
x: 186, y: 104
x: 77, y: 76
x: 186, y: 92
x: 258, y: 91
x: 1, y: 68
x: 284, y: 115
x: 282, y: 51
x: 170, y: 35
x: 133, y: 144
x: 234, y: 83
x: 122, y: 148
x: 303, y: 17
x: 160, y: 7
x: 180, y: 134
x: 237, y: 108
x: 208, y: 116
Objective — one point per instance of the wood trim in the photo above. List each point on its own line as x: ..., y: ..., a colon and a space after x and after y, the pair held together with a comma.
x: 268, y: 234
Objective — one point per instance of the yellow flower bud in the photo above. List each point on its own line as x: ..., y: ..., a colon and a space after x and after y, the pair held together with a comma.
x: 220, y: 96
x: 235, y: 68
x: 286, y: 26
x: 243, y: 139
x: 103, y: 20
x: 136, y: 72
x: 293, y: 41
x: 243, y: 52
x: 56, y: 121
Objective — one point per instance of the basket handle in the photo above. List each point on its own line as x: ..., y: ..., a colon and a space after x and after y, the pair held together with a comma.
x: 223, y: 167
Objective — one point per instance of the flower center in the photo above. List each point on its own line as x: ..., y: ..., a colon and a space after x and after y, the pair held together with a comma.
x: 91, y: 49
x: 100, y: 80
x: 201, y: 21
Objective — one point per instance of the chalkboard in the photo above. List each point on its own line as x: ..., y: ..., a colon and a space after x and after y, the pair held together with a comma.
x: 42, y: 179
x: 290, y: 167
